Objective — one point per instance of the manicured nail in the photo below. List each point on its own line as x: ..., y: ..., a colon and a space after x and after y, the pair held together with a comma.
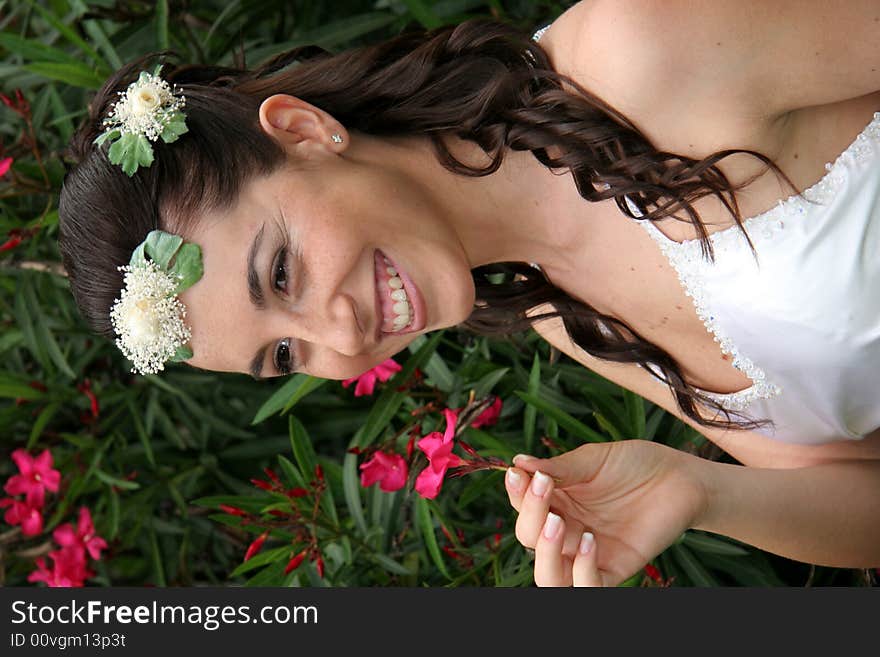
x: 551, y: 526
x: 514, y: 479
x: 587, y: 541
x: 540, y: 483
x: 522, y: 457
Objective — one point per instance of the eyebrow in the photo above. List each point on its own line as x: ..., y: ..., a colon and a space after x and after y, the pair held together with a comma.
x: 256, y: 366
x: 255, y: 292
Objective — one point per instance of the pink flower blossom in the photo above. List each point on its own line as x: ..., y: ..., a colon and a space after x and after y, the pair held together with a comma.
x: 36, y: 477
x: 68, y: 569
x: 388, y: 469
x: 366, y: 382
x: 5, y: 165
x: 489, y: 416
x: 19, y: 513
x: 438, y: 449
x: 83, y: 539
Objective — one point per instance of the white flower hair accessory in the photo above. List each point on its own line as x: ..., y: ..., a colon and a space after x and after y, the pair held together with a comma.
x: 148, y: 316
x: 146, y: 111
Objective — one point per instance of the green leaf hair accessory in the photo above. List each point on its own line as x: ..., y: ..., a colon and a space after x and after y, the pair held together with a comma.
x: 148, y: 316
x: 147, y: 110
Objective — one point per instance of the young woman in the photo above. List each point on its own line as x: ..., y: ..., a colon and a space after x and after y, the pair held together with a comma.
x: 637, y: 167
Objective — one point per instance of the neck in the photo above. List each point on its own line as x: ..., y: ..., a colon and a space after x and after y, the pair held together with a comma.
x: 521, y: 213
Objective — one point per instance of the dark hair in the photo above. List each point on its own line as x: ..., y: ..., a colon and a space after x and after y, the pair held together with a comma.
x: 482, y: 80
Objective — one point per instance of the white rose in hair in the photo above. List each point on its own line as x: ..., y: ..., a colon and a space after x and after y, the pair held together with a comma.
x: 148, y: 318
x: 145, y: 98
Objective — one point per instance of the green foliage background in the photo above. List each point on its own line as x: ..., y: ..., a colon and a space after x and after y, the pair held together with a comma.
x: 165, y: 451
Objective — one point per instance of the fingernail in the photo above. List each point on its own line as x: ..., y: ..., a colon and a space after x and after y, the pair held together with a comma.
x: 514, y: 479
x: 551, y: 526
x: 522, y: 457
x: 540, y: 483
x: 587, y: 541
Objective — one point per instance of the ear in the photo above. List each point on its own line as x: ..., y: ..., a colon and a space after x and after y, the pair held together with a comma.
x: 300, y: 126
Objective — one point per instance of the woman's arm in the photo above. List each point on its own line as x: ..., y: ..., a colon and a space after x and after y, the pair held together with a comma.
x: 827, y: 514
x: 747, y: 447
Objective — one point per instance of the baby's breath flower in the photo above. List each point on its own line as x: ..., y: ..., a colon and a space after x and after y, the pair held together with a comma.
x: 145, y: 108
x: 148, y: 318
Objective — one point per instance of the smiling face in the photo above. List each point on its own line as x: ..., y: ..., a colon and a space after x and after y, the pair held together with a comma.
x: 297, y: 274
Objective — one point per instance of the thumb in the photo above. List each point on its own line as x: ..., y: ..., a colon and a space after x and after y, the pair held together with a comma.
x: 576, y: 466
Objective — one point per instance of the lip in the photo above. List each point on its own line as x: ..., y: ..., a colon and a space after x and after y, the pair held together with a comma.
x: 412, y: 293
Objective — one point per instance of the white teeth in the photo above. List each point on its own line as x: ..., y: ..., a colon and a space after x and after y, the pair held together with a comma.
x: 402, y: 309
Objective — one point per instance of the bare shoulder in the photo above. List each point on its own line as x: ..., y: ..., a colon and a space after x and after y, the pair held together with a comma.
x: 743, y: 61
x: 748, y: 447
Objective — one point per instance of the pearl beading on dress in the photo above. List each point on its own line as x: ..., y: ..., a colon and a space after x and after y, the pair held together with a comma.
x: 687, y: 259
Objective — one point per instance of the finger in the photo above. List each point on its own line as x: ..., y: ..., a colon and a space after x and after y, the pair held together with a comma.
x: 551, y: 567
x: 585, y: 569
x: 516, y: 482
x: 574, y: 529
x: 533, y: 509
x: 576, y: 466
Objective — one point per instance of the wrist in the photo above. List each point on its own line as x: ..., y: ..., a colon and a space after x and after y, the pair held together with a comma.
x: 705, y: 478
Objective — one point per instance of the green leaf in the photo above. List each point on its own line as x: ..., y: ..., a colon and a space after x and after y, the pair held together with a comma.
x: 261, y: 559
x: 530, y: 414
x: 187, y: 267
x: 161, y: 246
x: 635, y: 411
x: 351, y: 488
x: 33, y: 50
x: 566, y: 421
x: 76, y: 75
x: 390, y: 564
x: 294, y: 389
x: 301, y: 445
x: 183, y: 353
x: 12, y: 389
x: 703, y: 543
x: 697, y: 573
x: 66, y: 31
x: 107, y: 134
x: 426, y: 526
x: 486, y: 383
x: 114, y: 481
x: 40, y: 423
x: 162, y: 25
x: 175, y: 127
x: 423, y: 14
x: 131, y: 151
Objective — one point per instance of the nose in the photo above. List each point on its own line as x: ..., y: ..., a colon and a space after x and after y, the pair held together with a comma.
x: 333, y: 324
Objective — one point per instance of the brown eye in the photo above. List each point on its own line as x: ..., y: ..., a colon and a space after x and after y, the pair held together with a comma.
x: 279, y: 271
x: 282, y: 357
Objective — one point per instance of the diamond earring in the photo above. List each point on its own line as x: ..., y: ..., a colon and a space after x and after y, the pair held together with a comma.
x: 337, y: 138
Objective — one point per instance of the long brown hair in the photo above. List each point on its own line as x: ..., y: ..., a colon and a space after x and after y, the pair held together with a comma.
x: 482, y: 80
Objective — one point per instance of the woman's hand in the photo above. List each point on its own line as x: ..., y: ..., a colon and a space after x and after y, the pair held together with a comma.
x: 635, y: 497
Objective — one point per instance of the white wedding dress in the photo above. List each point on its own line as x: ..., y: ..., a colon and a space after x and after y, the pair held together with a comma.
x: 802, y: 321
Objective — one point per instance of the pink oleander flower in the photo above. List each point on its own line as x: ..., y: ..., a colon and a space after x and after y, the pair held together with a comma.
x: 366, y: 382
x: 388, y: 469
x: 83, y: 538
x: 489, y: 416
x: 68, y: 569
x: 5, y: 165
x: 19, y: 513
x: 36, y: 477
x: 438, y: 449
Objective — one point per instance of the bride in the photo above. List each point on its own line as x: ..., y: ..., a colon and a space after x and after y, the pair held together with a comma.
x: 683, y: 201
